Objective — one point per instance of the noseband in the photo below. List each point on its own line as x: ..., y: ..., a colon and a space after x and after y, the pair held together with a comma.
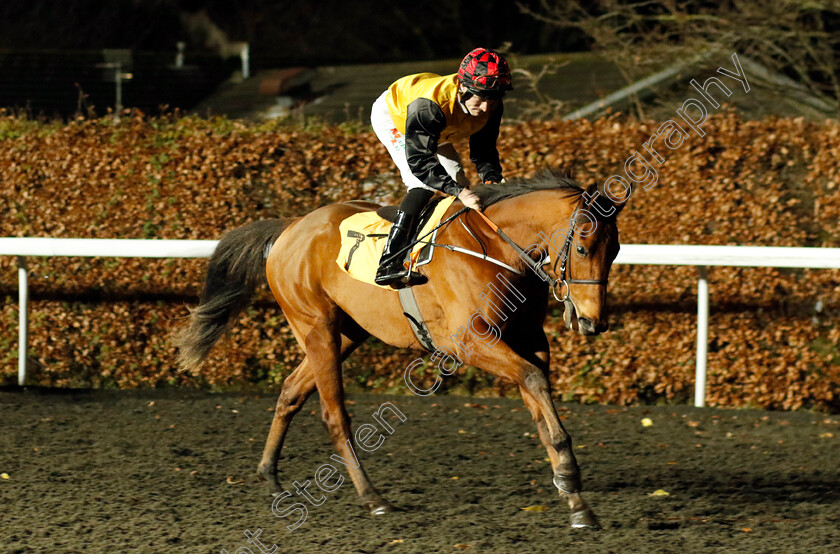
x: 562, y: 259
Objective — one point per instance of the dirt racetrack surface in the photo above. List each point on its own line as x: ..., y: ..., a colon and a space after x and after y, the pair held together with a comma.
x: 174, y: 471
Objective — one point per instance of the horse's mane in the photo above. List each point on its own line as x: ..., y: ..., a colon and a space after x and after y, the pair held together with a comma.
x: 547, y: 179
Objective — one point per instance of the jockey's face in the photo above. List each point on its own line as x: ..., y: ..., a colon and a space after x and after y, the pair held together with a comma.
x: 476, y: 105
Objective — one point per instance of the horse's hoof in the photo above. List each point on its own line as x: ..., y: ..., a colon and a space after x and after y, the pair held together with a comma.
x: 584, y: 520
x: 380, y: 508
x: 271, y: 483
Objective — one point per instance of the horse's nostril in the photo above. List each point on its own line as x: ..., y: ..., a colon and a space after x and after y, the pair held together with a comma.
x: 589, y: 327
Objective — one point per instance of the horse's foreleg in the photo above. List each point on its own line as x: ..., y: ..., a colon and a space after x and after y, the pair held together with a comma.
x: 566, y: 471
x: 296, y: 389
x: 322, y: 350
x: 529, y: 373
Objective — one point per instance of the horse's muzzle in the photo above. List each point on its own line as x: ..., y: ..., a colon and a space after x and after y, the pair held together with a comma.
x: 588, y: 327
x: 585, y: 326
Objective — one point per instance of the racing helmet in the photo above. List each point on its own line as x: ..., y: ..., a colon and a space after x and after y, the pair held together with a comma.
x: 485, y: 73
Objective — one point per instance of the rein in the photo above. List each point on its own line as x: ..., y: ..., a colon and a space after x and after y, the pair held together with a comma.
x: 536, y: 265
x: 404, y: 249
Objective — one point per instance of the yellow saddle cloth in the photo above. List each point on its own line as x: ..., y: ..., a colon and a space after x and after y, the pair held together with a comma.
x: 363, y: 238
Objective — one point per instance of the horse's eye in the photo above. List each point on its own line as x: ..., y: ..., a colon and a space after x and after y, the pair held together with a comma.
x: 581, y: 250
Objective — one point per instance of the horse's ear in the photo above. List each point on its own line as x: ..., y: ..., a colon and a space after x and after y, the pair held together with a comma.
x: 603, y: 205
x: 618, y: 205
x: 607, y: 202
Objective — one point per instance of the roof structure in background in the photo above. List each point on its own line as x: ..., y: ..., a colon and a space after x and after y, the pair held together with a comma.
x: 569, y: 86
x: 345, y: 93
x: 583, y: 85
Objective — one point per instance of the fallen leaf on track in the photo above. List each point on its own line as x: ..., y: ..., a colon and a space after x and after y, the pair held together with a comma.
x: 4, y: 475
x: 660, y: 492
x: 647, y: 422
x: 537, y: 508
x: 231, y: 480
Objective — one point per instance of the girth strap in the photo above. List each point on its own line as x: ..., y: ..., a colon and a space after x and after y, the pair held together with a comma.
x: 415, y: 319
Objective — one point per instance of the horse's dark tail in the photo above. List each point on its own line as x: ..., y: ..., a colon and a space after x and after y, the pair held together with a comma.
x: 236, y: 268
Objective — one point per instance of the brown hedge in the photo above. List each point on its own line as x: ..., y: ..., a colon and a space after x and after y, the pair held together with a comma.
x: 106, y: 322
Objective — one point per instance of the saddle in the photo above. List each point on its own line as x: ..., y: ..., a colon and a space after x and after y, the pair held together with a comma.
x: 363, y: 238
x: 389, y: 213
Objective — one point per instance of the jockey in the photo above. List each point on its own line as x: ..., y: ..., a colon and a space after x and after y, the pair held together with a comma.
x: 417, y: 119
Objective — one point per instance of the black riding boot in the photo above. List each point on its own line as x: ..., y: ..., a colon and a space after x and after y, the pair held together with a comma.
x: 391, y: 270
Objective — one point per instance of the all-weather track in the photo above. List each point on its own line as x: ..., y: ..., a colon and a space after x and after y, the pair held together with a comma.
x: 174, y: 471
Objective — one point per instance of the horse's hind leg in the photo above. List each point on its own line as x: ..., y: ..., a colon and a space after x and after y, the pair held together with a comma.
x: 322, y: 348
x: 297, y: 387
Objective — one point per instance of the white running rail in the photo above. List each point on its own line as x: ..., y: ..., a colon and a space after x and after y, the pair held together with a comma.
x: 640, y: 254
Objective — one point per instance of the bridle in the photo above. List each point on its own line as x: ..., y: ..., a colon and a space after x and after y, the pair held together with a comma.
x: 563, y: 259
x: 537, y: 265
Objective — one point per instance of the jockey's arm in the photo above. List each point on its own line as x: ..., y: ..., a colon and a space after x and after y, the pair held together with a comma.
x: 424, y: 124
x: 483, y: 152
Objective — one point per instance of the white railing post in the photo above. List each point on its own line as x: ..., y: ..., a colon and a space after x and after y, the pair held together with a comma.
x: 118, y: 77
x: 702, y: 337
x: 245, y: 59
x: 23, y: 301
x: 179, y: 56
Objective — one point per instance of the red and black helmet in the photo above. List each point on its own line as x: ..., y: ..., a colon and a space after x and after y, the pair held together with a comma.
x: 485, y: 73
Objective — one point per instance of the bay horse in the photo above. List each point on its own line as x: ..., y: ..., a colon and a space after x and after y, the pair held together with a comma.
x: 331, y: 314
